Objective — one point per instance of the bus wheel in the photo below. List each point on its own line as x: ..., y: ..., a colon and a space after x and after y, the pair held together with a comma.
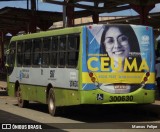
x: 51, y: 102
x: 21, y: 103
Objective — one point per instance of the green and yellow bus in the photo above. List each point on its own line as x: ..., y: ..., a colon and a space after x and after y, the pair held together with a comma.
x: 93, y: 64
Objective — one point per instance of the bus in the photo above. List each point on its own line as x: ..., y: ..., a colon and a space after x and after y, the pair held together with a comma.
x: 93, y: 64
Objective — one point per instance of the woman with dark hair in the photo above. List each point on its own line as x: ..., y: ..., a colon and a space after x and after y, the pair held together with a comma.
x: 119, y: 42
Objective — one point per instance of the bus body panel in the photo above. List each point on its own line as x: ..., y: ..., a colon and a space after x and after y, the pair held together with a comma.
x: 11, y: 89
x: 98, y: 96
x: 67, y: 97
x: 72, y: 30
x: 45, y: 76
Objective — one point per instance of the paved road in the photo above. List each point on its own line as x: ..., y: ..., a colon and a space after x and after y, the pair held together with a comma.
x: 98, y: 117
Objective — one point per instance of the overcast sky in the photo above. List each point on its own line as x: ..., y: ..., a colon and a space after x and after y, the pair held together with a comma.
x: 58, y: 8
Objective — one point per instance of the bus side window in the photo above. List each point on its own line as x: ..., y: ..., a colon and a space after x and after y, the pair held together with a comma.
x: 37, y: 59
x: 54, y: 52
x: 12, y: 53
x: 62, y: 51
x: 19, y: 53
x: 46, y: 51
x: 27, y: 52
x: 72, y: 50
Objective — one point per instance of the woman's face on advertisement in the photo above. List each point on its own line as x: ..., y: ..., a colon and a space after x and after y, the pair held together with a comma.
x: 116, y: 43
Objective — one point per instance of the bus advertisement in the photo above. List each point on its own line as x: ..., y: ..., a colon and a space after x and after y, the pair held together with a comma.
x: 118, y: 61
x: 93, y: 64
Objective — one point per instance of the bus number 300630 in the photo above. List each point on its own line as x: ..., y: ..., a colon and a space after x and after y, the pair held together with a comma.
x: 120, y: 98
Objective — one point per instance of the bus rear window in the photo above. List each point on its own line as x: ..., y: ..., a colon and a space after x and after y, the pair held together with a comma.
x: 12, y: 53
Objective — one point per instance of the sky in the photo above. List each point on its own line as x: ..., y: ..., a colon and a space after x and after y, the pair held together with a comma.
x: 58, y: 8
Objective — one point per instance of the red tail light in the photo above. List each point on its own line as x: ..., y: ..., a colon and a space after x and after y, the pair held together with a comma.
x: 145, y: 79
x: 91, y: 74
x: 93, y: 79
x: 147, y: 74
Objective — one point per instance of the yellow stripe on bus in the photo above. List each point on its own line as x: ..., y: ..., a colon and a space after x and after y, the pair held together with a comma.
x: 121, y: 77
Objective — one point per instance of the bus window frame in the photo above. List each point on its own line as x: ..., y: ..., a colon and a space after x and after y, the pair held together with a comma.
x: 76, y: 50
x: 24, y: 65
x: 20, y: 53
x: 46, y: 52
x: 35, y: 53
x: 50, y: 52
x: 54, y: 51
x: 9, y: 58
x: 62, y: 51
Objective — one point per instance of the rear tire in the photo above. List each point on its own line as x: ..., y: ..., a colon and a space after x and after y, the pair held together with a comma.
x: 21, y: 103
x: 51, y: 102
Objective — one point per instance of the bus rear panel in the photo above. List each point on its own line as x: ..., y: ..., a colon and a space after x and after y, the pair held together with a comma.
x: 118, y: 65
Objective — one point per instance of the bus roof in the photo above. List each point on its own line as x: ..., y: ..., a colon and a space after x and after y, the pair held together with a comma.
x: 64, y: 31
x: 68, y: 30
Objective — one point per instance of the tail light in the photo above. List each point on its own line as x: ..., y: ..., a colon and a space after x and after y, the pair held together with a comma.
x: 93, y: 78
x: 145, y: 79
x: 148, y: 74
x: 91, y: 74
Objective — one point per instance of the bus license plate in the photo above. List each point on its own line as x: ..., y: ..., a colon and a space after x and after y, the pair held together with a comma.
x: 120, y: 98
